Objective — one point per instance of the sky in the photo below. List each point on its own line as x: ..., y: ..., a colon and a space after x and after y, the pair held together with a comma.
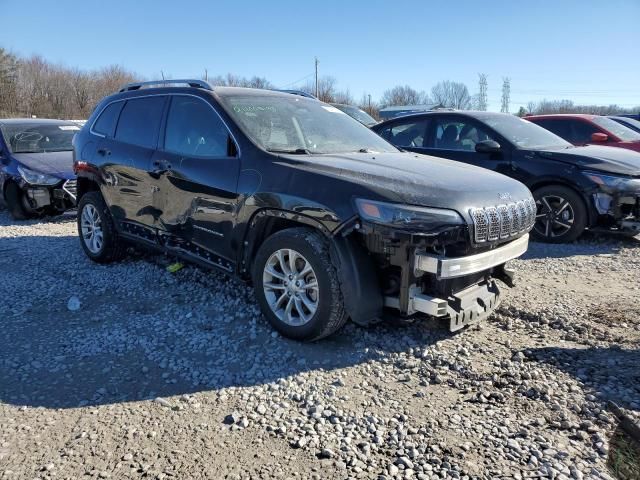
x: 582, y: 50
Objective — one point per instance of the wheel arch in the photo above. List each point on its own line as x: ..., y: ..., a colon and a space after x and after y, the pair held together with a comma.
x: 356, y: 269
x: 592, y: 215
x: 84, y: 185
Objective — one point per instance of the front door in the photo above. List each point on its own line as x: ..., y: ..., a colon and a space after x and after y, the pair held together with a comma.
x: 455, y: 137
x: 196, y: 169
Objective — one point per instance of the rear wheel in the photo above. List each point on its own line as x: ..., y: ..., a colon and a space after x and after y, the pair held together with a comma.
x: 96, y: 230
x: 17, y: 203
x: 561, y: 215
x: 297, y: 285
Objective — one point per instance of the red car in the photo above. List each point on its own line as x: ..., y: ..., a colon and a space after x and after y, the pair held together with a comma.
x: 589, y: 130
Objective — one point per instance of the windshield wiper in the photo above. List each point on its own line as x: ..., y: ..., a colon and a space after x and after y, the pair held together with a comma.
x: 297, y: 151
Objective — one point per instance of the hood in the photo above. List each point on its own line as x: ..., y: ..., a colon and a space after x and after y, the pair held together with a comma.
x: 417, y: 179
x: 616, y: 160
x: 58, y: 164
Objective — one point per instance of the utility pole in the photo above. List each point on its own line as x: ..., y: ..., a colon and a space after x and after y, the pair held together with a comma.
x: 162, y: 74
x: 317, y: 96
x: 369, y: 104
x: 506, y: 94
x: 482, y: 95
x: 206, y: 75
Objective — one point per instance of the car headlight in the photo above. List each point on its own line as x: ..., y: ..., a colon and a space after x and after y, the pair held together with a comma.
x: 611, y: 182
x: 37, y: 178
x: 406, y: 216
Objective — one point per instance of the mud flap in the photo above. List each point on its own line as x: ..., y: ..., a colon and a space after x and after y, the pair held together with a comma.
x: 473, y: 304
x: 358, y: 280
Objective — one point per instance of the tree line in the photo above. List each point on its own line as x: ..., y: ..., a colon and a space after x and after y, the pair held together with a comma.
x: 33, y: 86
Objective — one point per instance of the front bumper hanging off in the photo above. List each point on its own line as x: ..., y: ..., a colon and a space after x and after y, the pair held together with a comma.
x: 471, y: 304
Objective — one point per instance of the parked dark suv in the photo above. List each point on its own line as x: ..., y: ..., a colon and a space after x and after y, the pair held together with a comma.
x: 327, y: 219
x: 574, y: 187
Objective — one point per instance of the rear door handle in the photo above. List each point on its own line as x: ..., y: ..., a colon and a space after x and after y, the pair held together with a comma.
x: 104, y: 152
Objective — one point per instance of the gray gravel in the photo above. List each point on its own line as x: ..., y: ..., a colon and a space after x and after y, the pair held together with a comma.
x: 128, y: 371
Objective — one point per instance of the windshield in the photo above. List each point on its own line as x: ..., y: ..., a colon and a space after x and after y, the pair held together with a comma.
x: 360, y: 115
x: 39, y: 138
x: 623, y: 133
x: 293, y: 124
x: 524, y: 134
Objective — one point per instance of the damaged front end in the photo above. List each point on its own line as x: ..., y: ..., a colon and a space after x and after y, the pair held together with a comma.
x: 428, y: 264
x: 617, y: 201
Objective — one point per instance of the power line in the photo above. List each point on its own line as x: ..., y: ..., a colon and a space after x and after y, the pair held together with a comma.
x: 298, y: 81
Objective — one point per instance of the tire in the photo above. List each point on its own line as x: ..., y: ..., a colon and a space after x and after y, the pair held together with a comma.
x: 310, y: 249
x: 15, y: 203
x: 561, y: 215
x: 94, y: 219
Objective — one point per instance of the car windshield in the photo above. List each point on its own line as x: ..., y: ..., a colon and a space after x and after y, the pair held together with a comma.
x: 39, y: 137
x: 294, y: 124
x: 623, y: 133
x: 524, y: 134
x: 360, y: 115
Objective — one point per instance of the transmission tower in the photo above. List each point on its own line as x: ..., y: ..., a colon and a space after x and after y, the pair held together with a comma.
x: 482, y: 95
x: 506, y: 94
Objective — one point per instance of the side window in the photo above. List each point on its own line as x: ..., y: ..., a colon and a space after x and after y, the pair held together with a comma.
x: 194, y: 129
x: 106, y: 122
x: 581, y: 132
x: 559, y: 127
x: 140, y: 121
x: 459, y: 135
x: 407, y: 134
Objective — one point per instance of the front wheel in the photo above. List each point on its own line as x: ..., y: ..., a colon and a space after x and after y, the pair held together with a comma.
x: 17, y: 203
x: 297, y: 286
x: 561, y: 215
x: 96, y: 230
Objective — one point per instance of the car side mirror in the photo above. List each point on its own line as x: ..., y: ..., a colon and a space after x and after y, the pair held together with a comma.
x: 599, y: 137
x: 488, y: 146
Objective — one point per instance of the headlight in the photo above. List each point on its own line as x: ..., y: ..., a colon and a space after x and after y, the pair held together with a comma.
x: 406, y: 216
x: 37, y: 178
x: 610, y: 182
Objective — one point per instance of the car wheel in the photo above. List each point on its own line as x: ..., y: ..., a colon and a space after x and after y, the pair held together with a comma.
x: 561, y: 215
x: 96, y: 230
x: 16, y: 203
x: 297, y: 285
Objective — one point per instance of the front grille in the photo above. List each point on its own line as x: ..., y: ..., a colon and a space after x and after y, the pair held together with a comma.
x: 503, y: 221
x: 70, y: 186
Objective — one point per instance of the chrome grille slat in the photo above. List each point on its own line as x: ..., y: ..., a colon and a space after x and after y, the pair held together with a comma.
x: 492, y: 223
x: 71, y: 187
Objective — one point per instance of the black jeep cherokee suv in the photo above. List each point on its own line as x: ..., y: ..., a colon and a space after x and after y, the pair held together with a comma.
x: 327, y: 219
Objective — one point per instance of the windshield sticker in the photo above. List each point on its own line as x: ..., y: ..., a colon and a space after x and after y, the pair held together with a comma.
x: 68, y: 127
x: 254, y: 108
x: 331, y: 109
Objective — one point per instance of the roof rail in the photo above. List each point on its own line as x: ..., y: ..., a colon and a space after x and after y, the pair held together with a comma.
x: 192, y: 83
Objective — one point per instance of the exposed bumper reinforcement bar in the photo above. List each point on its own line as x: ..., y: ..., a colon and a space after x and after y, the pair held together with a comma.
x: 468, y: 306
x: 444, y: 267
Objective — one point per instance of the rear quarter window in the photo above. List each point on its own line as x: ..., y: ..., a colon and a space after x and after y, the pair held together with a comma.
x: 140, y: 121
x: 106, y: 122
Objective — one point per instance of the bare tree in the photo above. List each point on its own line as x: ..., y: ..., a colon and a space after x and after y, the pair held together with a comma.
x: 369, y: 106
x: 326, y: 88
x: 452, y: 95
x: 403, y: 95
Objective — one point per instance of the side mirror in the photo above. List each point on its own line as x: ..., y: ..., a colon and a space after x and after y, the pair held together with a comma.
x: 599, y: 137
x: 488, y: 146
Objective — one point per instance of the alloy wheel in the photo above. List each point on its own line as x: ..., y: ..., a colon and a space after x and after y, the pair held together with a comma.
x: 554, y: 216
x: 291, y: 287
x: 91, y: 226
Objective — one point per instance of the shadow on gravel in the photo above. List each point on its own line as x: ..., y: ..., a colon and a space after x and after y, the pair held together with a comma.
x: 589, y: 244
x: 611, y: 374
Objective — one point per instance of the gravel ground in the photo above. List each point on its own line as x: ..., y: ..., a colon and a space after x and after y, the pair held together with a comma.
x: 160, y: 375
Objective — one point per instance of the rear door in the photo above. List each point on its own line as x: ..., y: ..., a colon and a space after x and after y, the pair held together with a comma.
x: 125, y: 160
x: 197, y: 168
